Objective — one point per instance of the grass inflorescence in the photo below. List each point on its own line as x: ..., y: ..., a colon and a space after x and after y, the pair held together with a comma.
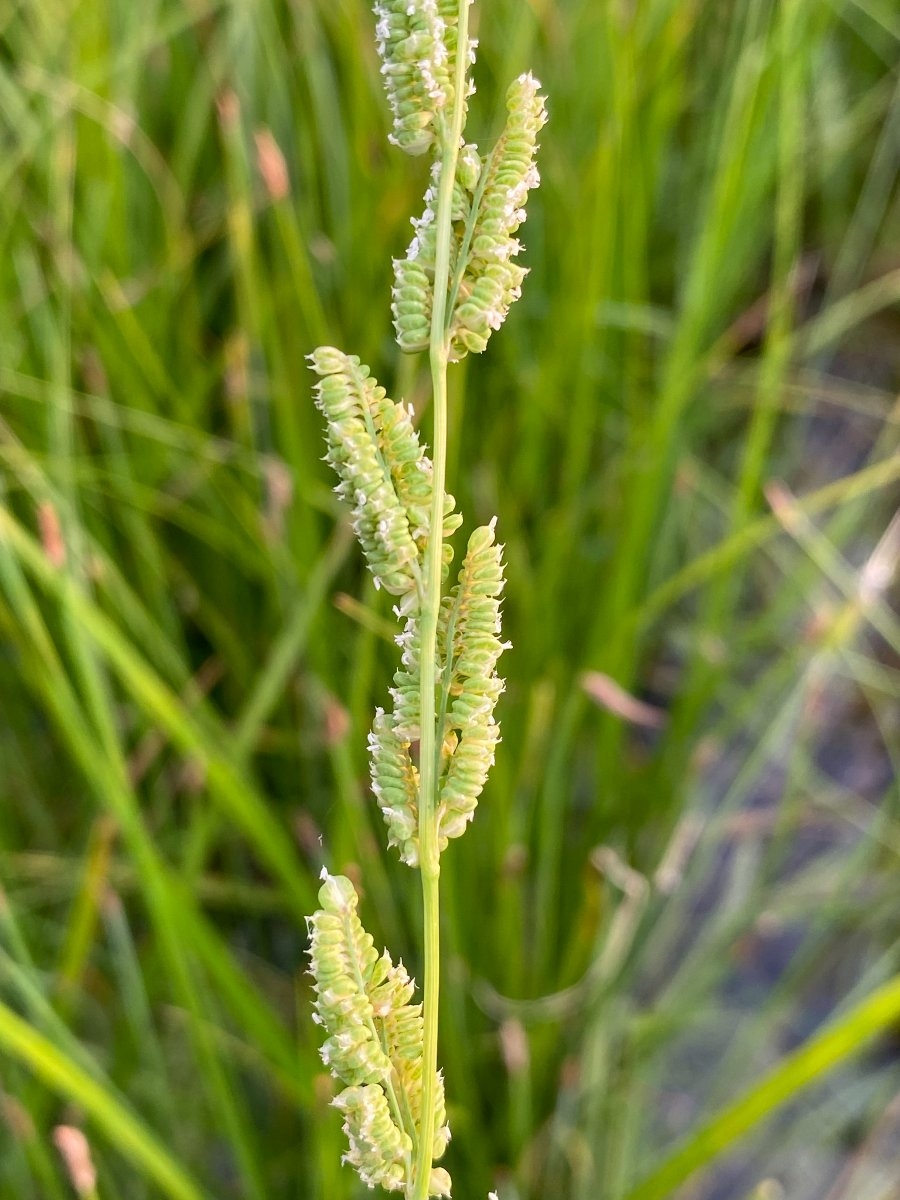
x: 671, y: 919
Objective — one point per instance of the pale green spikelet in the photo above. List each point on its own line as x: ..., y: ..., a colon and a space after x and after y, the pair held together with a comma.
x: 348, y: 397
x: 374, y: 1043
x: 384, y: 472
x: 468, y: 172
x: 395, y: 786
x: 405, y: 690
x: 469, y: 646
x: 412, y: 1084
x: 473, y: 634
x: 378, y: 1149
x: 417, y: 45
x: 491, y: 281
x: 440, y: 1183
x: 406, y: 712
x: 411, y: 304
x: 411, y: 471
x: 412, y: 293
x: 402, y: 1033
x: 465, y: 779
x: 409, y: 467
x: 489, y: 198
x: 343, y: 959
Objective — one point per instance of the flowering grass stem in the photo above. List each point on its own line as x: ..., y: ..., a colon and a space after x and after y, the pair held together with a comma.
x: 429, y: 855
x: 451, y: 291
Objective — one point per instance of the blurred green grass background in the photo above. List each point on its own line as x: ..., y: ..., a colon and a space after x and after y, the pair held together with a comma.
x: 689, y: 430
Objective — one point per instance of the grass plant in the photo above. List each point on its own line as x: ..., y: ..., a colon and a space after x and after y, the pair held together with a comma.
x: 669, y: 948
x: 453, y: 288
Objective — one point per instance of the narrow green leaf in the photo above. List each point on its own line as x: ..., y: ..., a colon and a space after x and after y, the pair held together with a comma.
x: 822, y: 1053
x: 110, y: 1111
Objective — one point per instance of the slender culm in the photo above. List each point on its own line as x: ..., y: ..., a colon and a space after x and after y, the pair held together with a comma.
x: 432, y: 746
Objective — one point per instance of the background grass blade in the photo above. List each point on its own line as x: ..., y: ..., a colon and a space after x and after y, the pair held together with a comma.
x: 843, y: 1037
x: 109, y: 1110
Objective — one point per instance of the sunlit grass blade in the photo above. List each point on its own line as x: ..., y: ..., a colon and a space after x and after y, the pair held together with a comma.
x: 104, y: 1106
x: 843, y: 1037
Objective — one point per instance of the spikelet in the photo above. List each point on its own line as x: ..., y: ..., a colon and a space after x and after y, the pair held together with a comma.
x: 375, y: 1040
x: 384, y: 473
x: 386, y: 476
x: 466, y: 777
x: 472, y: 623
x: 468, y: 172
x: 343, y: 960
x: 378, y: 1149
x: 417, y: 45
x: 405, y: 692
x: 403, y: 1034
x: 412, y: 293
x: 395, y: 786
x: 411, y: 303
x: 412, y: 1085
x: 491, y: 281
x: 349, y: 399
x: 489, y: 198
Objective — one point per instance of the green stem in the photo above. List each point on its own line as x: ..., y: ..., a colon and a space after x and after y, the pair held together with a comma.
x: 429, y: 864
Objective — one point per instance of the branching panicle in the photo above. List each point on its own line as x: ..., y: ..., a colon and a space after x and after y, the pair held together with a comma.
x: 374, y: 1044
x: 431, y: 753
x: 488, y: 207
